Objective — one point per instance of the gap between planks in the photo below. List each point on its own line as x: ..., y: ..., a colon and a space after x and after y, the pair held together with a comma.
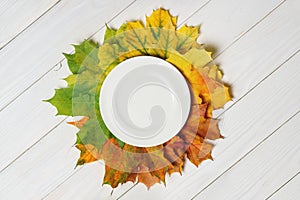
x: 253, y: 26
x: 285, y: 184
x: 34, y: 21
x: 261, y: 81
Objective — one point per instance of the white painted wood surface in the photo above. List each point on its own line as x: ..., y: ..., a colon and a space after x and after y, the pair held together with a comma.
x: 291, y: 188
x: 16, y: 16
x: 276, y: 158
x: 257, y: 45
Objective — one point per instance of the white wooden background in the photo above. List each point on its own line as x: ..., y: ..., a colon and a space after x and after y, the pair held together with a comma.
x: 257, y: 45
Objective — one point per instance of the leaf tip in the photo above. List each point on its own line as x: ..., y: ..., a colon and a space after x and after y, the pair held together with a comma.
x: 46, y: 100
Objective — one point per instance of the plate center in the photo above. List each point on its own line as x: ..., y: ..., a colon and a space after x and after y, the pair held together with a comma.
x: 145, y: 101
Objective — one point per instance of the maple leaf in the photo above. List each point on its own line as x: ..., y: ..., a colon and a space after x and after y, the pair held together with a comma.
x: 199, y: 150
x: 108, y: 54
x: 198, y: 57
x: 91, y: 63
x: 109, y: 33
x: 144, y: 165
x: 198, y: 123
x: 62, y: 100
x: 113, y: 156
x: 161, y: 18
x: 187, y: 39
x: 200, y: 91
x: 84, y: 56
x: 88, y: 153
x: 175, y: 152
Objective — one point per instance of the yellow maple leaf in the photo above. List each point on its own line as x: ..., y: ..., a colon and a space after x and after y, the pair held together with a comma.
x: 191, y: 32
x: 198, y: 57
x: 88, y: 154
x: 161, y: 18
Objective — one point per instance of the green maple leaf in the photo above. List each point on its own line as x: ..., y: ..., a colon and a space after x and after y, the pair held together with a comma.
x: 81, y: 97
x: 85, y: 56
x: 109, y: 33
x: 62, y: 100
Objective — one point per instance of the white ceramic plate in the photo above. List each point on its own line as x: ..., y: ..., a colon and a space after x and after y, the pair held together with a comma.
x: 145, y: 101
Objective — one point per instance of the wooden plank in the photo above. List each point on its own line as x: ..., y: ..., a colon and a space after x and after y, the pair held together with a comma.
x: 16, y: 16
x: 263, y: 170
x: 144, y: 193
x: 223, y: 22
x: 70, y: 190
x: 243, y: 117
x: 290, y: 191
x: 32, y: 119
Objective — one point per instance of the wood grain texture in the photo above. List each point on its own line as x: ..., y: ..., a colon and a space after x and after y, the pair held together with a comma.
x: 81, y: 175
x: 144, y: 192
x: 256, y: 48
x: 18, y: 15
x: 275, y: 160
x: 290, y: 191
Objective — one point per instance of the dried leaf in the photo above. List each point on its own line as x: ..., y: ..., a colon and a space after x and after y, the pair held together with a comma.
x: 161, y: 18
x: 198, y: 57
x: 145, y: 177
x: 187, y: 38
x: 79, y: 124
x: 88, y: 154
x: 199, y: 151
x: 192, y: 32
